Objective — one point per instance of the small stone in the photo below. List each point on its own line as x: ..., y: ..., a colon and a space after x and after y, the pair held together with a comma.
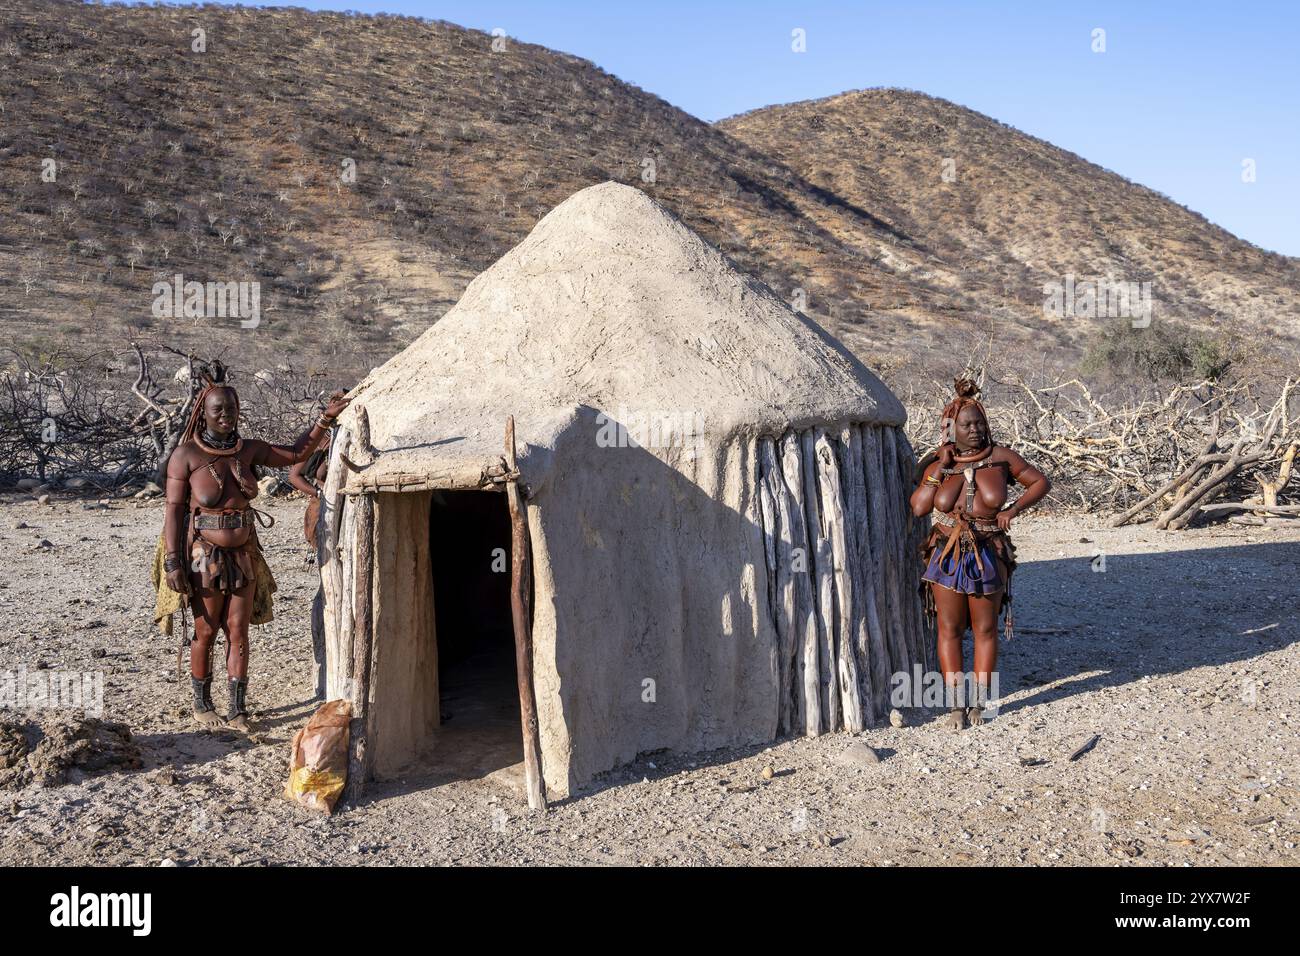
x: 98, y: 653
x: 19, y: 525
x: 43, y: 500
x: 769, y: 772
x: 167, y: 861
x: 858, y: 755
x: 896, y: 718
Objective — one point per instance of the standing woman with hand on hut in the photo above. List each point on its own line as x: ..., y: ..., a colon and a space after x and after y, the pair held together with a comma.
x: 212, y: 553
x: 968, y: 555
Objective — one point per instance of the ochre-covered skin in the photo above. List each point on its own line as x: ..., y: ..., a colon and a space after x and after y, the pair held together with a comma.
x: 954, y: 610
x: 190, y: 483
x: 311, y: 485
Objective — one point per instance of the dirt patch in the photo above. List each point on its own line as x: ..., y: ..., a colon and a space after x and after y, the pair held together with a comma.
x: 52, y: 748
x: 1183, y: 654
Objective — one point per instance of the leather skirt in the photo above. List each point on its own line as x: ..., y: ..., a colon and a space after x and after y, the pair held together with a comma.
x: 970, y: 556
x: 222, y: 568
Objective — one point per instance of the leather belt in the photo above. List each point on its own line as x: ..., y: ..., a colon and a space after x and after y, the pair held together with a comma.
x: 979, y: 524
x: 230, y: 520
x: 963, y: 527
x: 224, y: 522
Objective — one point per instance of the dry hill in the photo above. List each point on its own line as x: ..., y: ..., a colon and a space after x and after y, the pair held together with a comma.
x: 1014, y: 212
x: 228, y: 165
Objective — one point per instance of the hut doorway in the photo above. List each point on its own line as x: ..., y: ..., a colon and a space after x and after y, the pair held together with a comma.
x: 478, y: 708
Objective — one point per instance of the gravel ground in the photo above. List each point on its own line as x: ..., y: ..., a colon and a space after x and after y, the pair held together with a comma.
x: 1181, y: 655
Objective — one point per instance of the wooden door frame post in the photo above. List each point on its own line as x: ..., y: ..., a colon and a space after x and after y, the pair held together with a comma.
x: 520, y: 579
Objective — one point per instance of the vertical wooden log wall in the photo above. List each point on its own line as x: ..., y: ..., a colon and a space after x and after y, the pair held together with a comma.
x: 840, y: 542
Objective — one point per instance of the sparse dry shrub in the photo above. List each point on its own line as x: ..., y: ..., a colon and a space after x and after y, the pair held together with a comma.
x: 107, y: 416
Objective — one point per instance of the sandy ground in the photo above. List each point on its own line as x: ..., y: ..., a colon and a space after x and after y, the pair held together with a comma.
x: 1181, y: 654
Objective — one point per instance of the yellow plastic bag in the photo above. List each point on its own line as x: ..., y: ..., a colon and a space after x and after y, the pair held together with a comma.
x: 318, y: 767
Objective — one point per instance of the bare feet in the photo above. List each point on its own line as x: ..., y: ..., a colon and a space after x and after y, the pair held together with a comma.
x: 975, y: 716
x: 956, y: 719
x: 206, y: 718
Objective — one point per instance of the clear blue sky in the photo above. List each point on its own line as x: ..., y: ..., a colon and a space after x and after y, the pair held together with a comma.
x: 1184, y: 92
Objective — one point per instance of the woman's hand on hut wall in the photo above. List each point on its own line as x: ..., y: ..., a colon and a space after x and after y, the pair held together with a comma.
x: 336, y: 404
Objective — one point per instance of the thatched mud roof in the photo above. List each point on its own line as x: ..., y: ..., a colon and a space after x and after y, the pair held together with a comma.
x: 612, y: 304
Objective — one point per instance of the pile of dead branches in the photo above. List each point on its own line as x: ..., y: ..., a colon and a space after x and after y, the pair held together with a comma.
x: 106, y: 420
x: 1205, y: 450
x: 57, y: 420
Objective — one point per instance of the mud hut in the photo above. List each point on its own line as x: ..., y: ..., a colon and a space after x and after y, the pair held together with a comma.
x: 703, y: 540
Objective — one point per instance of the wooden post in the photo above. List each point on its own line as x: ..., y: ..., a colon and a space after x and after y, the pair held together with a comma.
x: 895, y: 495
x: 362, y: 638
x: 327, y: 559
x: 833, y: 518
x: 916, y: 529
x: 873, y: 676
x: 773, y: 494
x: 805, y: 629
x: 520, y: 578
x: 827, y: 669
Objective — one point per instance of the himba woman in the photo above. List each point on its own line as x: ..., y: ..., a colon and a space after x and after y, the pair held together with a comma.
x: 214, y: 557
x: 968, y: 555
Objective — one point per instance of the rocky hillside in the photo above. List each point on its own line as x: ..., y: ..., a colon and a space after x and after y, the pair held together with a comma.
x: 1007, y: 214
x: 362, y: 170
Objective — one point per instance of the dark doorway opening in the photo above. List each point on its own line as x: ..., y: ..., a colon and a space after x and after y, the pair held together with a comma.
x: 469, y: 556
